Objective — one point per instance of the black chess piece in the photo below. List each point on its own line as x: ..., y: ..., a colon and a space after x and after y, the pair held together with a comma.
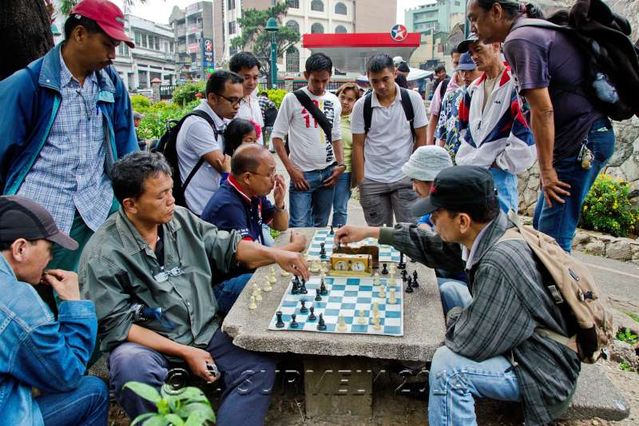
x: 312, y: 316
x: 402, y: 264
x: 404, y: 275
x: 321, y: 324
x: 332, y: 231
x: 279, y: 323
x: 294, y: 324
x: 322, y: 252
x: 415, y: 283
x: 303, y: 309
x: 323, y: 289
x: 296, y: 287
x: 318, y: 297
x: 409, y: 286
x: 385, y: 269
x: 303, y: 289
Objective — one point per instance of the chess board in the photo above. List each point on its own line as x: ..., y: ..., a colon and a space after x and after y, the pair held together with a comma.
x: 387, y: 253
x: 346, y: 297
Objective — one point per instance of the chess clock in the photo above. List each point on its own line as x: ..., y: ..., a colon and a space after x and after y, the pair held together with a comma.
x: 351, y: 265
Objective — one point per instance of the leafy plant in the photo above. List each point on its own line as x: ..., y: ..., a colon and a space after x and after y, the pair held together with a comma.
x: 625, y: 335
x: 140, y: 103
x: 608, y: 209
x: 276, y: 95
x: 634, y: 316
x: 625, y: 366
x: 185, y: 407
x: 186, y: 93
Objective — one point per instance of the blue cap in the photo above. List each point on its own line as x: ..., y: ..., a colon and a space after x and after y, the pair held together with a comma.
x: 466, y: 63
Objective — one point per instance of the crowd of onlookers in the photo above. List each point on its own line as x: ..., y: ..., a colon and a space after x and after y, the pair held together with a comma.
x: 97, y: 257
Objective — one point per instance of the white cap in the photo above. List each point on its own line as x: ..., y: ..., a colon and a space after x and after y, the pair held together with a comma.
x: 426, y: 163
x: 397, y: 60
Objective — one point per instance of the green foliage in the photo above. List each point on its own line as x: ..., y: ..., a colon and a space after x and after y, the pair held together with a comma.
x: 140, y: 103
x: 153, y: 125
x: 607, y: 208
x: 185, y: 407
x: 257, y: 40
x: 634, y: 316
x: 625, y: 335
x: 625, y: 366
x: 276, y: 95
x: 185, y: 93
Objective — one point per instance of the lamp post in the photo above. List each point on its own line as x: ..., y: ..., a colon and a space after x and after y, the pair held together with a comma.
x: 271, y: 27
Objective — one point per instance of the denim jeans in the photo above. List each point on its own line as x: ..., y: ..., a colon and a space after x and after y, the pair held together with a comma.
x: 228, y: 291
x: 340, y: 199
x: 456, y: 380
x: 507, y: 194
x: 88, y: 404
x: 560, y: 220
x: 380, y: 200
x: 312, y: 208
x: 453, y: 293
x: 248, y: 378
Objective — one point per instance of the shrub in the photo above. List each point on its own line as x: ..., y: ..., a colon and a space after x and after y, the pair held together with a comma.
x: 608, y: 209
x: 153, y: 125
x: 185, y: 93
x: 140, y: 103
x: 276, y: 95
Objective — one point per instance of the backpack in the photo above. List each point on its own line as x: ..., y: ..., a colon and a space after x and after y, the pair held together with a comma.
x: 406, y: 104
x: 167, y: 145
x: 573, y: 289
x: 612, y: 61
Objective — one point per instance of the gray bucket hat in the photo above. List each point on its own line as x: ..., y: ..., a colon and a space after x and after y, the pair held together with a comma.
x: 426, y: 162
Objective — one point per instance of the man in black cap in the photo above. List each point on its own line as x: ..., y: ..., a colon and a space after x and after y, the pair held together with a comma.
x: 36, y: 351
x: 491, y: 348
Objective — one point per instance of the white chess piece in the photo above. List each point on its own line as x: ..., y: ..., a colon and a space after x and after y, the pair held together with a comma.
x: 257, y: 292
x: 267, y: 286
x: 341, y: 323
x: 252, y: 305
x: 392, y: 298
x: 376, y: 279
x: 382, y: 292
x: 361, y: 319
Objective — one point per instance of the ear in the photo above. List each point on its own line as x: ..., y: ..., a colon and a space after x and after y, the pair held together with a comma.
x: 211, y: 99
x: 497, y: 11
x: 306, y: 75
x: 20, y: 250
x: 129, y: 206
x: 465, y: 223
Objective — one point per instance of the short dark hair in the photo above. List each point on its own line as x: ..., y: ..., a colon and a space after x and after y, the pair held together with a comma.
x: 235, y: 131
x: 379, y: 62
x: 440, y: 68
x: 454, y: 50
x: 319, y: 62
x: 6, y: 245
x: 74, y: 21
x: 247, y: 159
x: 130, y: 172
x: 218, y: 79
x: 513, y: 8
x: 479, y: 213
x: 243, y: 60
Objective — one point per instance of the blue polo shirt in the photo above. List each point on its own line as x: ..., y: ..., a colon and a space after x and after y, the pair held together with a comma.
x: 230, y: 208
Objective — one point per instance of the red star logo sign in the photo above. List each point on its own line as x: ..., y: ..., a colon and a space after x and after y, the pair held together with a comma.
x: 399, y: 32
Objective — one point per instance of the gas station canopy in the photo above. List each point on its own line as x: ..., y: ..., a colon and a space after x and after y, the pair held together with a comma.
x: 350, y: 52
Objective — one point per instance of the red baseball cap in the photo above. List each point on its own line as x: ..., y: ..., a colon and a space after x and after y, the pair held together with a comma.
x: 107, y: 15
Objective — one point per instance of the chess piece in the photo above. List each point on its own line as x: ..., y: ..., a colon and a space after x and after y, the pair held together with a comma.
x: 385, y: 269
x: 272, y: 277
x: 415, y: 283
x: 318, y: 297
x: 267, y: 286
x: 293, y: 324
x: 324, y: 268
x: 341, y: 324
x: 279, y: 323
x: 323, y: 290
x: 376, y: 279
x: 376, y: 309
x: 322, y: 252
x: 332, y: 231
x: 303, y: 289
x: 402, y: 264
x: 312, y: 316
x: 393, y: 269
x: 315, y: 266
x: 303, y: 309
x: 392, y: 298
x: 296, y: 286
x: 284, y: 273
x: 392, y: 281
x: 361, y: 319
x: 404, y: 275
x: 376, y: 323
x: 382, y: 292
x: 409, y: 286
x: 252, y: 305
x: 257, y: 292
x: 321, y: 324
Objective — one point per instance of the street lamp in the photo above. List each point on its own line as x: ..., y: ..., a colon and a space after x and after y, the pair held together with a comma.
x: 271, y: 27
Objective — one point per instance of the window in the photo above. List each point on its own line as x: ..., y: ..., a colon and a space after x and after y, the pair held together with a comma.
x: 295, y: 4
x: 138, y: 38
x: 292, y: 59
x: 232, y: 27
x: 230, y: 4
x: 340, y: 9
x: 317, y: 28
x: 317, y: 5
x: 157, y: 43
x: 293, y: 26
x: 340, y: 29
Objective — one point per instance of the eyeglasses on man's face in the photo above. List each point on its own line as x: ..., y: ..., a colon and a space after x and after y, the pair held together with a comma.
x: 233, y: 101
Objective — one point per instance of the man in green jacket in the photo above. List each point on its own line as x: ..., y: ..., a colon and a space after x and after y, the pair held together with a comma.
x: 149, y: 270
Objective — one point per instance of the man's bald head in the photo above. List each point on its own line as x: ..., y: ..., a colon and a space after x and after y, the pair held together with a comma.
x: 247, y: 158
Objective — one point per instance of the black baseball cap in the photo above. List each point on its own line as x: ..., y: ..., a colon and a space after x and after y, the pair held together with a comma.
x: 21, y: 217
x: 457, y: 188
x: 464, y: 45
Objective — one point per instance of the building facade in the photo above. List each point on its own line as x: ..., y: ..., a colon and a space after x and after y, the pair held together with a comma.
x: 438, y: 16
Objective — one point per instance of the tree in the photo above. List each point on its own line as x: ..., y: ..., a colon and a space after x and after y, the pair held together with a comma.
x: 25, y: 28
x: 257, y: 40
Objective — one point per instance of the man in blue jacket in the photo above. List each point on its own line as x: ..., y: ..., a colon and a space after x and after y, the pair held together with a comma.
x: 65, y: 119
x: 36, y: 351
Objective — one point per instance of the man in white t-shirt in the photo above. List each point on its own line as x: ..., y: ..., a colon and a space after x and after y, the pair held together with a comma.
x: 197, y: 139
x: 247, y: 65
x: 380, y: 151
x: 315, y: 161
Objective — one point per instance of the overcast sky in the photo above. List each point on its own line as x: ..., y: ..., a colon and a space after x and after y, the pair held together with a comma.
x: 159, y: 10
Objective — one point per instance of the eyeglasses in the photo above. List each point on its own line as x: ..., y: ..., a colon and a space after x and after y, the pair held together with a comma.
x: 232, y: 101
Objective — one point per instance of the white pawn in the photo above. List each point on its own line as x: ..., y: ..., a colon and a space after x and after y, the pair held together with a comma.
x: 382, y: 292
x: 392, y: 299
x: 272, y: 278
x: 361, y: 319
x: 257, y: 292
x: 376, y: 279
x: 267, y: 286
x: 252, y: 305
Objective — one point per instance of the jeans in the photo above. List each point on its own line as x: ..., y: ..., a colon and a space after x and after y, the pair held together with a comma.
x: 507, y: 194
x: 380, y: 200
x: 312, y: 208
x: 88, y: 404
x: 560, y: 220
x: 453, y: 293
x: 456, y: 380
x: 340, y: 199
x: 248, y: 378
x: 228, y: 291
